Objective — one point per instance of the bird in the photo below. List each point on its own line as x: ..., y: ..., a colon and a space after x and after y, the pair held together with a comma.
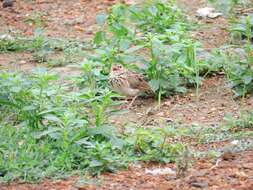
x: 128, y: 83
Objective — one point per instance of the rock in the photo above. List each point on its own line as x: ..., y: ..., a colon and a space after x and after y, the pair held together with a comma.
x: 7, y: 3
x: 22, y: 62
x: 6, y: 37
x: 235, y: 142
x: 199, y: 184
x: 160, y: 171
x: 207, y: 12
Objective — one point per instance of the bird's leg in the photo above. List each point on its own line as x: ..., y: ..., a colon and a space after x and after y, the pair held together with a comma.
x: 131, y: 102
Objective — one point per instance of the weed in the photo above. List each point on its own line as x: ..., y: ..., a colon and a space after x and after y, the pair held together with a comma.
x: 160, y: 44
x: 51, y: 51
x: 228, y: 6
x: 242, y: 28
x: 8, y: 43
x: 245, y: 121
x: 151, y: 145
x: 52, y: 132
x: 37, y: 20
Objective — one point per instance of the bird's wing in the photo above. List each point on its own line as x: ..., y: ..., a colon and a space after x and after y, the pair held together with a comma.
x: 121, y: 85
x: 137, y: 81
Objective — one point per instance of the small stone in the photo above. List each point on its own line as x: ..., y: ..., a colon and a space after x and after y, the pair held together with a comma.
x: 7, y: 3
x: 199, y: 184
x: 168, y: 103
x: 160, y: 171
x: 235, y: 142
x: 22, y: 62
x: 160, y: 114
x: 203, y: 12
x: 169, y: 120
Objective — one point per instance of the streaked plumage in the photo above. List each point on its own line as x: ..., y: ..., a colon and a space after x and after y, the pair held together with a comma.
x: 127, y: 83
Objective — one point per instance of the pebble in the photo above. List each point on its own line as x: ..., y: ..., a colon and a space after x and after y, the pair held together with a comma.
x: 7, y: 3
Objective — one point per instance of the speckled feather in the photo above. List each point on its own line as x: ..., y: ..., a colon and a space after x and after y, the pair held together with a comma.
x: 127, y: 82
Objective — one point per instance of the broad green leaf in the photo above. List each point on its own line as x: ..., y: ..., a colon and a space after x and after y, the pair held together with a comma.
x: 95, y: 163
x: 101, y: 18
x: 154, y: 84
x: 99, y: 37
x: 247, y: 79
x: 53, y: 118
x: 29, y: 108
x: 153, y: 10
x: 46, y: 132
x: 156, y: 47
x: 124, y: 44
x: 134, y: 48
x: 86, y: 142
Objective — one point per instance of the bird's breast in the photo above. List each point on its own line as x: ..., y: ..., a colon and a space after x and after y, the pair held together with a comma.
x: 121, y: 86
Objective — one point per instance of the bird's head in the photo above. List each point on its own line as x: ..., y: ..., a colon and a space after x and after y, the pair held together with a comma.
x: 117, y: 68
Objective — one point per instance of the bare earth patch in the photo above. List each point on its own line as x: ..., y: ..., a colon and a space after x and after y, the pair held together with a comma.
x: 214, y: 102
x: 76, y: 19
x: 236, y: 173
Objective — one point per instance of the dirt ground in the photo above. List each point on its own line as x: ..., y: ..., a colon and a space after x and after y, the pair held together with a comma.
x: 235, y: 173
x: 76, y: 19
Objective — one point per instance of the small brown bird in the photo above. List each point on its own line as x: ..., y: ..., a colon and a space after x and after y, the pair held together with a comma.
x: 128, y: 83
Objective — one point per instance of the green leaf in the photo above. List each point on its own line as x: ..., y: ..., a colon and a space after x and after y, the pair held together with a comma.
x: 134, y: 48
x: 99, y: 37
x: 124, y: 44
x: 156, y: 47
x: 16, y: 89
x: 53, y: 118
x: 153, y: 10
x: 85, y: 142
x: 247, y: 79
x: 29, y: 108
x: 95, y: 163
x: 101, y: 18
x: 181, y: 89
x: 119, y: 30
x: 117, y: 142
x: 154, y: 84
x: 46, y: 132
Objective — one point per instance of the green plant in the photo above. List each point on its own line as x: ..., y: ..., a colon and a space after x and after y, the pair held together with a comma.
x: 239, y: 67
x: 9, y: 43
x: 52, y: 128
x: 37, y: 19
x: 245, y: 121
x: 156, y: 16
x: 242, y: 28
x: 151, y: 145
x: 228, y: 6
x: 52, y: 51
x: 17, y: 92
x: 164, y: 76
x: 48, y: 131
x: 160, y: 44
x: 125, y: 33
